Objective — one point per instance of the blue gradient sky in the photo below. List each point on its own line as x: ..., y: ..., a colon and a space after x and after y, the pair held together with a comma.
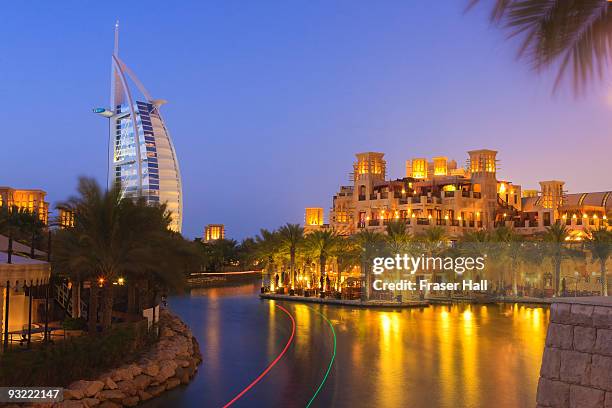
x: 270, y: 100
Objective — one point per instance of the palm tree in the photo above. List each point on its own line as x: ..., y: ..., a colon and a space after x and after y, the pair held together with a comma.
x: 369, y: 243
x: 600, y: 245
x: 555, y: 240
x: 267, y: 249
x: 434, y: 243
x: 322, y: 244
x: 348, y: 256
x: 566, y: 34
x: 291, y: 237
x: 115, y: 238
x: 19, y: 223
x: 509, y: 247
x: 398, y: 240
x: 475, y: 244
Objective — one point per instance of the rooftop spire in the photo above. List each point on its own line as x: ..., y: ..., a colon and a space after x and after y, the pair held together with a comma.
x: 116, y: 50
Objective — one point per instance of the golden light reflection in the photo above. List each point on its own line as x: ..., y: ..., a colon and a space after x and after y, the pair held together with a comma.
x: 390, y: 357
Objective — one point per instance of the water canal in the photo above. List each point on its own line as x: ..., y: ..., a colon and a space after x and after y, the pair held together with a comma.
x: 440, y: 356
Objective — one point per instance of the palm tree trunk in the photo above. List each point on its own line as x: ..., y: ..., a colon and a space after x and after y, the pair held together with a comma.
x: 365, y: 295
x: 557, y: 277
x: 93, y: 309
x: 514, y: 277
x: 322, y: 261
x: 107, y: 306
x: 604, y: 278
x: 292, y: 267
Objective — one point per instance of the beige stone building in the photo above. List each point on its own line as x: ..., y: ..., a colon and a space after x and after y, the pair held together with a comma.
x: 213, y: 232
x: 32, y: 200
x: 438, y: 192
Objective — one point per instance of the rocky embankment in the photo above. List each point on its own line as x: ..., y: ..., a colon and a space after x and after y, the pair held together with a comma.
x: 173, y: 361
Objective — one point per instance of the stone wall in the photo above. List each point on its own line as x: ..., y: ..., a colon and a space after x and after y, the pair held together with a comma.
x: 576, y: 367
x: 172, y: 361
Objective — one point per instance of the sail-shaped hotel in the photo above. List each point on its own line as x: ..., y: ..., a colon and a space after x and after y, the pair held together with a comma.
x: 141, y: 154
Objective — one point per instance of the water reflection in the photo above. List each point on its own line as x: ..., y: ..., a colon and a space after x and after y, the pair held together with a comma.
x: 441, y: 356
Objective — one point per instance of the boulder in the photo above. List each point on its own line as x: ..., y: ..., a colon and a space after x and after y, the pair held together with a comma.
x: 151, y: 369
x: 144, y: 396
x: 166, y: 372
x: 112, y: 395
x: 127, y: 387
x: 109, y: 404
x: 122, y: 374
x: 156, y: 390
x: 142, y: 381
x: 88, y: 388
x: 73, y: 394
x: 183, y: 375
x: 90, y: 402
x: 109, y: 384
x: 134, y: 370
x: 130, y: 401
x: 182, y: 363
x: 172, y: 383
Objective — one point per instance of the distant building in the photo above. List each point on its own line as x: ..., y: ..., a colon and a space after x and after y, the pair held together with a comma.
x: 142, y: 157
x: 26, y: 199
x: 313, y: 219
x: 213, y: 232
x: 65, y: 218
x: 439, y: 193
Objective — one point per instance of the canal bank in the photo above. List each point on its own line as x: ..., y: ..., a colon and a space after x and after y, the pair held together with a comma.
x: 346, y: 302
x: 172, y: 361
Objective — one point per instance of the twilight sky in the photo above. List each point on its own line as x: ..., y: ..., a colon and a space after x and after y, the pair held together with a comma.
x: 269, y: 101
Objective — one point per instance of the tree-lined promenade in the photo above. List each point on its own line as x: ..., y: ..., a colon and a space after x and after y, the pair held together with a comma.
x: 328, y: 262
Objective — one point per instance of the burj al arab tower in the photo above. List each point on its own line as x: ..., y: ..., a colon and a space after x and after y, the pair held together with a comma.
x: 141, y: 154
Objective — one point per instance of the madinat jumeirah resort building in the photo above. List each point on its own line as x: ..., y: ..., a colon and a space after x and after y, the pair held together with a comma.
x: 460, y: 199
x: 438, y: 192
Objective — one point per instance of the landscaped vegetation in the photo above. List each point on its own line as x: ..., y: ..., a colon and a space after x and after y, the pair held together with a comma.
x: 117, y: 259
x: 515, y: 264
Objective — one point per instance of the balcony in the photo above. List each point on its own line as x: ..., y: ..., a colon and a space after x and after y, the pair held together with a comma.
x: 373, y: 196
x: 449, y: 194
x: 422, y: 221
x: 373, y: 223
x: 362, y: 198
x: 476, y: 195
x: 465, y: 193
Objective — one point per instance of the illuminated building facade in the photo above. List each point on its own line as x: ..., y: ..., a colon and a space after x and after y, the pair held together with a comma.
x: 25, y: 199
x: 313, y: 219
x: 439, y: 193
x: 65, y: 218
x: 142, y: 157
x: 214, y: 232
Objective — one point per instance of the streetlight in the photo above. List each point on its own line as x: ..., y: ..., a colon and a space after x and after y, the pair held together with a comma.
x: 576, y: 278
x: 107, y: 114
